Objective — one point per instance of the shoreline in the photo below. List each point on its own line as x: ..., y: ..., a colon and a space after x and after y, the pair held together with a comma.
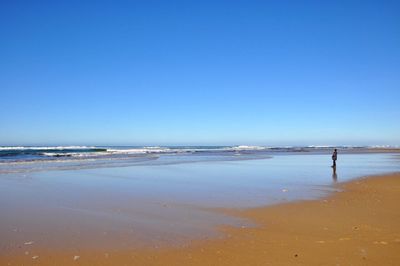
x: 80, y: 162
x: 357, y: 226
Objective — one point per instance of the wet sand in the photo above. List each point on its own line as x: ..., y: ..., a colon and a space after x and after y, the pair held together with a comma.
x: 359, y: 226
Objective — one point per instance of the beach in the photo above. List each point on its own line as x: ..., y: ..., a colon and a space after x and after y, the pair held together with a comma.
x: 206, y: 213
x: 199, y: 133
x: 359, y: 226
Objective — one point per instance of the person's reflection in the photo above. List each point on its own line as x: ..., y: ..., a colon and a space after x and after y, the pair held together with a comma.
x: 334, y: 175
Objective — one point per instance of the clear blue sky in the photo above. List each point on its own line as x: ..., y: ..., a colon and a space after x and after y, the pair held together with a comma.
x: 199, y: 72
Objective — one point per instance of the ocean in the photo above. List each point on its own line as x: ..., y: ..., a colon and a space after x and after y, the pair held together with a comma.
x: 15, y: 159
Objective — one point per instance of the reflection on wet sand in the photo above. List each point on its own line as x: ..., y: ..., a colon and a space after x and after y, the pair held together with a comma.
x: 334, y: 174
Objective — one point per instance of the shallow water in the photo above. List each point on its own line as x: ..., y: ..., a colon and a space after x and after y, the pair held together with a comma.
x: 158, y: 204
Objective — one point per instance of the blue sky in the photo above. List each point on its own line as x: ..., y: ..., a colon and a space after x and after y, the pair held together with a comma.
x: 199, y: 72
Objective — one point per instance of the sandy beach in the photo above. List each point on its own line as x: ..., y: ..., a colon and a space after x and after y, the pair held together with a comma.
x: 358, y: 226
x: 199, y: 133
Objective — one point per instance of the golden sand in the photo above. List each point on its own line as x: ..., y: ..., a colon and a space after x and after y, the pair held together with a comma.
x: 359, y: 226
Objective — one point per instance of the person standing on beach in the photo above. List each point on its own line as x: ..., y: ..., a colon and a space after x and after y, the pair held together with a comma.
x: 334, y: 158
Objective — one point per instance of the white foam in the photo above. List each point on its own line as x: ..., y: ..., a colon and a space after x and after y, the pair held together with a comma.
x: 139, y: 150
x: 385, y: 146
x: 75, y: 154
x: 246, y: 148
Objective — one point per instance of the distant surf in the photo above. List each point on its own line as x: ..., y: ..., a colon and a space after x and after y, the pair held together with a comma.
x: 22, y: 153
x: 37, y: 158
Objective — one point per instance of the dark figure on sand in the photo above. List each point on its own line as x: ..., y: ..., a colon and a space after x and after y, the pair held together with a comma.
x: 334, y: 158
